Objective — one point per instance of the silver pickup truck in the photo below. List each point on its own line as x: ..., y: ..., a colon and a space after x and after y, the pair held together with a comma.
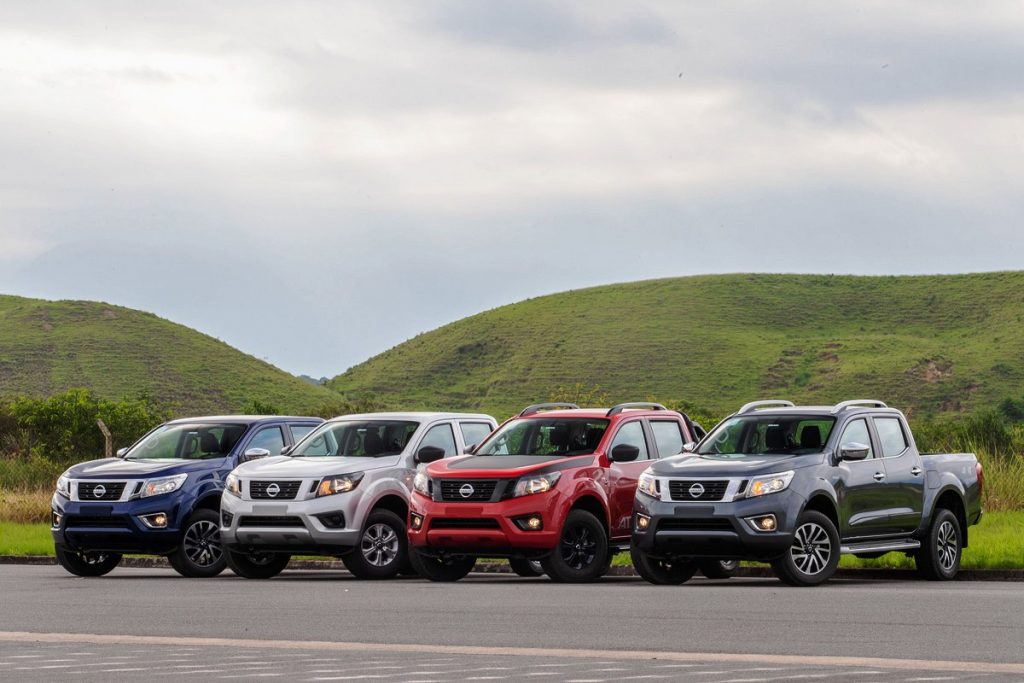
x: 342, y: 491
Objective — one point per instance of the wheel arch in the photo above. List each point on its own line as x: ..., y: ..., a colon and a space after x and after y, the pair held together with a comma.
x: 392, y: 502
x: 821, y: 501
x: 592, y: 504
x: 950, y: 498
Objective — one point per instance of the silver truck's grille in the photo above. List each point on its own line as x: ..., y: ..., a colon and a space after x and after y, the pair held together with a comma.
x: 274, y: 490
x: 100, y: 490
x: 691, y: 490
x: 467, y: 490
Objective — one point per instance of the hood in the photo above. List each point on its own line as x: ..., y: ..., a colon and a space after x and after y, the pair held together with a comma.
x: 475, y: 466
x: 116, y: 468
x: 688, y: 465
x: 285, y: 467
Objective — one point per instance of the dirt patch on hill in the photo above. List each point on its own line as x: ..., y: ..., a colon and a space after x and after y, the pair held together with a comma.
x: 932, y: 370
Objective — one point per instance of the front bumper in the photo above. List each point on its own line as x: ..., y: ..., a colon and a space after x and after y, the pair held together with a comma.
x: 115, y: 526
x: 487, y: 528
x: 719, y: 530
x: 308, y: 526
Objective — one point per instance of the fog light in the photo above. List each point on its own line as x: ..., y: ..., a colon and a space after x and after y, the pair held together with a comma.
x: 332, y: 520
x: 157, y: 520
x: 530, y: 523
x: 763, y: 523
x: 642, y: 522
x: 416, y: 521
x: 55, y: 519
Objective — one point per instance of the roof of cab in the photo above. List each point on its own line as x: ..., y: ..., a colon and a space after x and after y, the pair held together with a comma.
x: 249, y: 419
x: 414, y: 416
x: 592, y: 413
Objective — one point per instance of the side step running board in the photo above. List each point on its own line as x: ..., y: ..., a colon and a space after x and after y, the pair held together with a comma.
x: 880, y: 546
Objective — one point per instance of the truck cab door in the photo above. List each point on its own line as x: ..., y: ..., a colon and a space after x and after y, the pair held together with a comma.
x: 861, y: 487
x: 904, y: 473
x: 623, y: 476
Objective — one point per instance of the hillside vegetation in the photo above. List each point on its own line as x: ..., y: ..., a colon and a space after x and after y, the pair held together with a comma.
x: 932, y: 345
x: 47, y: 347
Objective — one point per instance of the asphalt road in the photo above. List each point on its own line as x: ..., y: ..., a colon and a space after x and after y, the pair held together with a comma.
x: 855, y: 630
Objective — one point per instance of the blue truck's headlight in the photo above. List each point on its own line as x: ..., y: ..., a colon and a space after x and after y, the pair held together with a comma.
x: 772, y: 483
x: 64, y: 485
x: 648, y: 485
x: 158, y: 487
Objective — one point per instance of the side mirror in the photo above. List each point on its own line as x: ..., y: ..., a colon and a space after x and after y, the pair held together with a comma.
x: 121, y: 452
x: 255, y: 454
x: 625, y: 453
x: 689, y: 447
x: 854, y: 451
x: 470, y: 450
x: 286, y: 450
x: 429, y: 454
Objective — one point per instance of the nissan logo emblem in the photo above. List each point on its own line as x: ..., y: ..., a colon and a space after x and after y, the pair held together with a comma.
x: 99, y: 490
x: 273, y: 490
x: 696, y: 491
x: 466, y: 490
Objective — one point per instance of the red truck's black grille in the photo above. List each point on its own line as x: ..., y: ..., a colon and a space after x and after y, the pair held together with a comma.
x: 458, y: 523
x: 274, y: 490
x: 686, y: 524
x: 684, y: 489
x: 269, y: 521
x: 100, y: 490
x: 467, y: 490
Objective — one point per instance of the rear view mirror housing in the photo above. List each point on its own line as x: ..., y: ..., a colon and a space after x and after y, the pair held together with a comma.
x: 255, y: 454
x: 689, y: 447
x: 852, y: 451
x: 429, y: 454
x: 625, y: 453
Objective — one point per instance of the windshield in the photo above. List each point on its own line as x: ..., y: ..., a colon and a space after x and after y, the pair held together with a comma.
x: 546, y: 436
x: 187, y: 442
x: 357, y: 439
x: 759, y: 435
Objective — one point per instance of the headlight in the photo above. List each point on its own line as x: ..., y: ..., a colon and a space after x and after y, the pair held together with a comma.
x: 233, y: 485
x: 538, y: 483
x: 64, y: 485
x: 649, y: 485
x: 421, y: 483
x: 158, y: 487
x: 773, y: 483
x: 341, y: 483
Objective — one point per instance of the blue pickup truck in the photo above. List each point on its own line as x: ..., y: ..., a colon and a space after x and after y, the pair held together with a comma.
x: 162, y: 495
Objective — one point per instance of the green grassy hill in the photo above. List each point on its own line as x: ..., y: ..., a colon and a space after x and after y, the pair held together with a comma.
x: 927, y: 344
x: 50, y: 346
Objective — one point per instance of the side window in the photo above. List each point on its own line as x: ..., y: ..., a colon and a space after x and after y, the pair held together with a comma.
x: 473, y: 433
x: 270, y: 438
x: 632, y: 433
x: 890, y: 436
x: 300, y: 431
x: 668, y: 437
x: 440, y: 436
x: 857, y: 431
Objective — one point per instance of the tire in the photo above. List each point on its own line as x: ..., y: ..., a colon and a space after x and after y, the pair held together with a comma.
x: 383, y: 547
x: 257, y: 565
x: 526, y: 568
x: 87, y: 563
x: 199, y: 553
x: 814, y: 554
x: 718, y: 569
x: 438, y: 569
x: 582, y: 551
x: 662, y: 572
x: 941, y: 550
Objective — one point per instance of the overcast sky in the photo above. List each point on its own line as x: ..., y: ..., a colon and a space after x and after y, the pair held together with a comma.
x: 316, y: 182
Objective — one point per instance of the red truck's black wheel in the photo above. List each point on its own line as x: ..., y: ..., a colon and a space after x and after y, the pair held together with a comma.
x: 813, y: 557
x: 441, y: 569
x: 662, y: 572
x: 939, y: 556
x: 582, y: 551
x: 87, y: 563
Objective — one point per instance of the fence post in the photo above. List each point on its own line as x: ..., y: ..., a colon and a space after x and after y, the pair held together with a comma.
x: 108, y: 446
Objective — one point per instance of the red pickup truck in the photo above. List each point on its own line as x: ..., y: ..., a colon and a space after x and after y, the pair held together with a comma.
x: 554, y: 484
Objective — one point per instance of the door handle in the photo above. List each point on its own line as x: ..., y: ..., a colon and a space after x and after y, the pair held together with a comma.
x: 879, y: 476
x: 915, y: 470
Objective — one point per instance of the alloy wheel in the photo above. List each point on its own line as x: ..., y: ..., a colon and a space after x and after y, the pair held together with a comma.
x: 811, y: 549
x: 379, y: 544
x: 202, y: 543
x: 948, y: 544
x: 579, y: 548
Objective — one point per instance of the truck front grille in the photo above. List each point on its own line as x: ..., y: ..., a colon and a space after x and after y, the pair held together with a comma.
x: 458, y: 523
x: 100, y: 490
x: 687, y: 524
x: 270, y: 521
x: 467, y: 490
x: 82, y: 522
x: 274, y: 490
x: 684, y: 489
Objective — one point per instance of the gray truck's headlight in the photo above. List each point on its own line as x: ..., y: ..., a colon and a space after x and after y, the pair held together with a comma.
x: 158, y: 487
x: 342, y: 483
x: 648, y: 485
x: 421, y: 484
x: 64, y: 485
x: 233, y: 485
x: 538, y: 483
x: 772, y: 483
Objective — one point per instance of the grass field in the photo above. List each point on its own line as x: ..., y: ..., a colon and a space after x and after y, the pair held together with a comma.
x: 49, y: 346
x: 928, y: 344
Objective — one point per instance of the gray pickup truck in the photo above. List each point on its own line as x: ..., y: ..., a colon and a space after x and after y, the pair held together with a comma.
x: 798, y: 487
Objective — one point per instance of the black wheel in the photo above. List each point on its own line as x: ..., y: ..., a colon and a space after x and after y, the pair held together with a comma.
x: 582, y: 551
x: 718, y: 569
x: 88, y: 563
x: 814, y: 554
x: 199, y: 553
x: 441, y: 569
x: 941, y: 550
x: 257, y: 565
x: 527, y: 568
x: 662, y: 572
x: 382, y: 549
